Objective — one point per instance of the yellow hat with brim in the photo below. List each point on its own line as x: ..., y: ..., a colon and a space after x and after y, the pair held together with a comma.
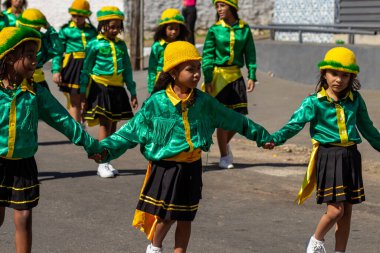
x: 11, y: 37
x: 32, y: 18
x: 171, y: 16
x: 109, y: 12
x: 80, y: 8
x: 178, y: 52
x: 233, y: 3
x: 341, y: 59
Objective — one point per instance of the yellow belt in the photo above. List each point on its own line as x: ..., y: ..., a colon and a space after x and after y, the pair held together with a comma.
x: 114, y: 80
x: 76, y: 55
x: 221, y: 76
x: 186, y: 157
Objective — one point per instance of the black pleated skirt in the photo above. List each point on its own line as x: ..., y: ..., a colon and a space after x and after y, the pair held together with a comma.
x: 173, y: 190
x: 19, y: 185
x: 109, y: 101
x: 234, y: 96
x: 339, y: 175
x: 71, y: 76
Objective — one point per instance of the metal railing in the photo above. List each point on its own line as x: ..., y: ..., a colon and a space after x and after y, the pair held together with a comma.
x: 350, y: 30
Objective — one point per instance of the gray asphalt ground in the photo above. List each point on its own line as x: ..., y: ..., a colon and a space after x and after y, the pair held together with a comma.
x: 248, y: 209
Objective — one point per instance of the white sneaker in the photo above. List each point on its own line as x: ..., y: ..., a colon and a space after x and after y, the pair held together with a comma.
x: 152, y: 249
x: 114, y: 171
x: 104, y: 171
x: 229, y: 153
x: 225, y: 163
x: 315, y: 246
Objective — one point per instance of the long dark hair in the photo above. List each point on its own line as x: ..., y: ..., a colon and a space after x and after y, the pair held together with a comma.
x: 105, y: 23
x: 234, y: 13
x: 164, y: 79
x: 160, y: 32
x: 8, y: 4
x: 353, y: 84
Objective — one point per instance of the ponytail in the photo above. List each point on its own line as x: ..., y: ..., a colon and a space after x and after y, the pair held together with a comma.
x: 164, y: 79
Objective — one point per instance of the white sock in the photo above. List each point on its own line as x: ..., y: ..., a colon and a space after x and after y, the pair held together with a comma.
x: 318, y: 240
x: 339, y: 251
x: 154, y: 247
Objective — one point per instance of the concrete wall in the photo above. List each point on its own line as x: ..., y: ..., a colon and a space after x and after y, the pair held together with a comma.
x: 298, y: 62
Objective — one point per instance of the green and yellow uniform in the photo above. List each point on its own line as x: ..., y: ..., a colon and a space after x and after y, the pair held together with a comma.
x: 156, y: 62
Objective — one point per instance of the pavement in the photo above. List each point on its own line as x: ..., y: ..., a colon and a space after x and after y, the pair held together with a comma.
x: 248, y: 209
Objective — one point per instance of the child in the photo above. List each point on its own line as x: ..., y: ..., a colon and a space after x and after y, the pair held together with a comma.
x: 3, y: 21
x: 336, y: 112
x: 228, y: 46
x: 173, y: 127
x: 13, y: 9
x: 23, y: 103
x: 75, y: 36
x: 171, y: 28
x: 107, y: 63
x: 51, y: 47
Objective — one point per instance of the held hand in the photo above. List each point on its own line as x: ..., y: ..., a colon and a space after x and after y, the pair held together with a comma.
x: 209, y: 88
x: 250, y: 85
x: 134, y: 102
x: 57, y: 78
x: 98, y: 158
x: 269, y: 145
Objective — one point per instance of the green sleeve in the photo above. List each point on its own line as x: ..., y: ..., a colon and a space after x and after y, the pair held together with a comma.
x: 208, y: 56
x: 88, y: 64
x: 56, y: 50
x: 154, y: 57
x: 127, y: 73
x: 304, y: 114
x: 365, y: 125
x: 128, y: 136
x: 233, y: 121
x: 250, y: 56
x: 56, y: 116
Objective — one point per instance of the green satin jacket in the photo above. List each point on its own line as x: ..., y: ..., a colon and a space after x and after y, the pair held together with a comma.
x: 3, y: 21
x: 101, y: 61
x: 226, y: 46
x: 332, y: 122
x: 156, y: 62
x: 51, y: 48
x: 165, y: 126
x: 11, y: 17
x: 22, y: 108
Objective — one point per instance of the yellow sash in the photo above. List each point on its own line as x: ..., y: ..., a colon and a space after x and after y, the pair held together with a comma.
x: 221, y: 77
x: 147, y: 222
x: 310, y: 180
x: 76, y: 55
x: 38, y: 75
x: 114, y: 80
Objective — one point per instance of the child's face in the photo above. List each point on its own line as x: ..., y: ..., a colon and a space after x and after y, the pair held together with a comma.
x: 172, y: 31
x: 78, y: 20
x: 223, y: 10
x: 188, y: 74
x: 26, y: 63
x: 337, y: 81
x: 17, y: 3
x: 113, y: 28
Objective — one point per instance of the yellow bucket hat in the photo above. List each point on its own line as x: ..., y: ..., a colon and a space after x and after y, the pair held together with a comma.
x: 32, y: 18
x: 178, y: 52
x: 171, y: 16
x: 341, y: 59
x: 233, y: 3
x: 81, y: 8
x: 109, y: 12
x: 11, y: 37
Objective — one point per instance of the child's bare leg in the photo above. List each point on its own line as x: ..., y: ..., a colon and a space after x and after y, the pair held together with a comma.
x: 343, y: 229
x: 334, y: 213
x: 230, y: 134
x: 182, y: 236
x: 222, y: 136
x: 23, y: 237
x: 2, y: 215
x: 162, y: 228
x: 75, y: 108
x: 104, y: 127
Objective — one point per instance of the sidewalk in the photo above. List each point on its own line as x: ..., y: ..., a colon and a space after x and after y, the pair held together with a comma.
x: 249, y: 209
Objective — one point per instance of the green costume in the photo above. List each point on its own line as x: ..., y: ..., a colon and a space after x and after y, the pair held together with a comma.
x: 332, y: 122
x: 3, y: 21
x: 156, y: 61
x: 166, y: 126
x: 109, y: 62
x: 11, y: 17
x: 227, y: 46
x: 22, y: 108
